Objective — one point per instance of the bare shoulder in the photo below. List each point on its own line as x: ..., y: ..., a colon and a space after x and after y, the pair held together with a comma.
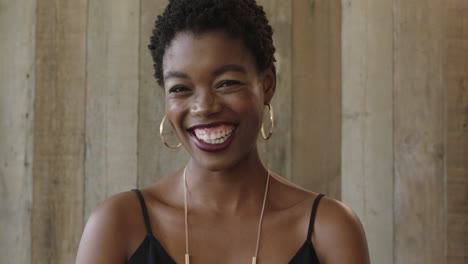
x: 289, y: 194
x: 338, y: 234
x: 110, y: 229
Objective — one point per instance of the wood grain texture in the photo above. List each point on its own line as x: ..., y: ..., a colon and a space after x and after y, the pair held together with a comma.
x: 276, y: 152
x: 316, y: 113
x: 112, y: 99
x: 17, y: 25
x: 154, y: 159
x: 57, y: 217
x: 419, y: 204
x: 367, y: 128
x: 457, y: 131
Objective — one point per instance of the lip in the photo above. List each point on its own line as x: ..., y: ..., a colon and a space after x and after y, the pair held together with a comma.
x: 212, y: 147
x: 212, y: 124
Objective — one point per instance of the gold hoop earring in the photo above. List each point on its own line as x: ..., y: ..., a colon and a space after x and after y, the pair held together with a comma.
x: 161, y: 129
x: 272, y: 120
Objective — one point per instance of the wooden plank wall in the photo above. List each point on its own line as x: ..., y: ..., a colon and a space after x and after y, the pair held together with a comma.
x: 456, y: 131
x: 367, y: 132
x: 407, y: 59
x: 112, y: 99
x: 316, y: 95
x: 59, y: 128
x: 16, y: 128
x: 419, y: 89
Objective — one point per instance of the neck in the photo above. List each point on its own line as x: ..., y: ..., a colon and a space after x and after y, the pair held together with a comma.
x: 227, y: 190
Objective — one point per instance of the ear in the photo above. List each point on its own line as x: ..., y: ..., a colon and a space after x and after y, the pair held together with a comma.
x: 269, y: 83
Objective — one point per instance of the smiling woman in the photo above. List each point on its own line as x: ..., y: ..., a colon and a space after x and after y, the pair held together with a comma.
x: 217, y: 90
x: 215, y: 62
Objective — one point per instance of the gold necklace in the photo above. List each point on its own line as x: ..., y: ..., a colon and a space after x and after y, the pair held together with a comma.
x: 254, y: 258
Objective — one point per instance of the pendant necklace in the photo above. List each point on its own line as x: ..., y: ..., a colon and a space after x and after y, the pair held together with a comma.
x: 254, y: 258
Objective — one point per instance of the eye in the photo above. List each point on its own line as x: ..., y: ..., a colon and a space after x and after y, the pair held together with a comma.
x: 178, y: 89
x: 228, y: 83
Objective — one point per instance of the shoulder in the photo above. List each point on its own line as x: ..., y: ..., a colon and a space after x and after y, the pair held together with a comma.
x: 288, y: 195
x: 110, y: 230
x: 338, y: 234
x: 116, y: 211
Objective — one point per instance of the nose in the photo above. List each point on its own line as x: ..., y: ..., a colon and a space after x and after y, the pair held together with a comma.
x: 205, y: 104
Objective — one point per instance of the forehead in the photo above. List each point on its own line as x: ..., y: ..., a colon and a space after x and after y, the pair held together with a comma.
x: 207, y: 50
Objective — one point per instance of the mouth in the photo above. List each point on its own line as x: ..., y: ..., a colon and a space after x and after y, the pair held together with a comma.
x: 213, y: 137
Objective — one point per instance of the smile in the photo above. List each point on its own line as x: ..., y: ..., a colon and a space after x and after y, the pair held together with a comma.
x: 213, y: 137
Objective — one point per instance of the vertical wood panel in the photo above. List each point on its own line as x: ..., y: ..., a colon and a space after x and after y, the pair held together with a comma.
x: 16, y: 124
x: 457, y: 131
x: 367, y: 152
x: 59, y: 130
x: 316, y: 113
x: 419, y: 132
x: 276, y: 152
x: 154, y: 159
x: 112, y: 99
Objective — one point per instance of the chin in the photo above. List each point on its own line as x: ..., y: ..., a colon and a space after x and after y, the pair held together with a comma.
x: 219, y: 162
x: 216, y: 165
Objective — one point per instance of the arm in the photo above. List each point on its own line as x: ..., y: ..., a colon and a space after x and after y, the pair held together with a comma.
x: 102, y: 240
x: 339, y: 236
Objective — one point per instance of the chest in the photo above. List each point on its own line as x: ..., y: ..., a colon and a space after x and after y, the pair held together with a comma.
x: 233, y: 239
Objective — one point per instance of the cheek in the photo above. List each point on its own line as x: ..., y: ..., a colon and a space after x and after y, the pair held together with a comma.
x: 171, y: 108
x: 174, y: 112
x: 250, y: 106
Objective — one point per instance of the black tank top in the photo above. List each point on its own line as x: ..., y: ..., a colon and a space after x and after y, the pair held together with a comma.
x: 151, y: 251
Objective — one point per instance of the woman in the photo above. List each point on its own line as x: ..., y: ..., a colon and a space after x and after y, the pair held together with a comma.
x: 215, y: 61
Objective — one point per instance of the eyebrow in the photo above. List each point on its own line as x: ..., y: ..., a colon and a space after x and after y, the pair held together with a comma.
x: 175, y: 74
x: 227, y: 68
x: 216, y: 72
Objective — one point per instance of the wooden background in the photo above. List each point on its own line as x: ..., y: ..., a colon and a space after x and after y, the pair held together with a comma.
x: 371, y: 107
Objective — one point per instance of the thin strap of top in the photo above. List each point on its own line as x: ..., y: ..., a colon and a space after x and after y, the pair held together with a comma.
x: 145, y: 211
x: 312, y: 216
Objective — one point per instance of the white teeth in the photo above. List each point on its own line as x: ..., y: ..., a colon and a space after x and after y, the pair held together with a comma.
x: 214, y: 138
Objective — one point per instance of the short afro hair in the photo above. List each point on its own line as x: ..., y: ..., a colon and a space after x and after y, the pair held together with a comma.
x: 242, y: 19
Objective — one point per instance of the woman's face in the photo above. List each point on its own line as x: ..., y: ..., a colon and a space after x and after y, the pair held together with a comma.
x: 215, y: 97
